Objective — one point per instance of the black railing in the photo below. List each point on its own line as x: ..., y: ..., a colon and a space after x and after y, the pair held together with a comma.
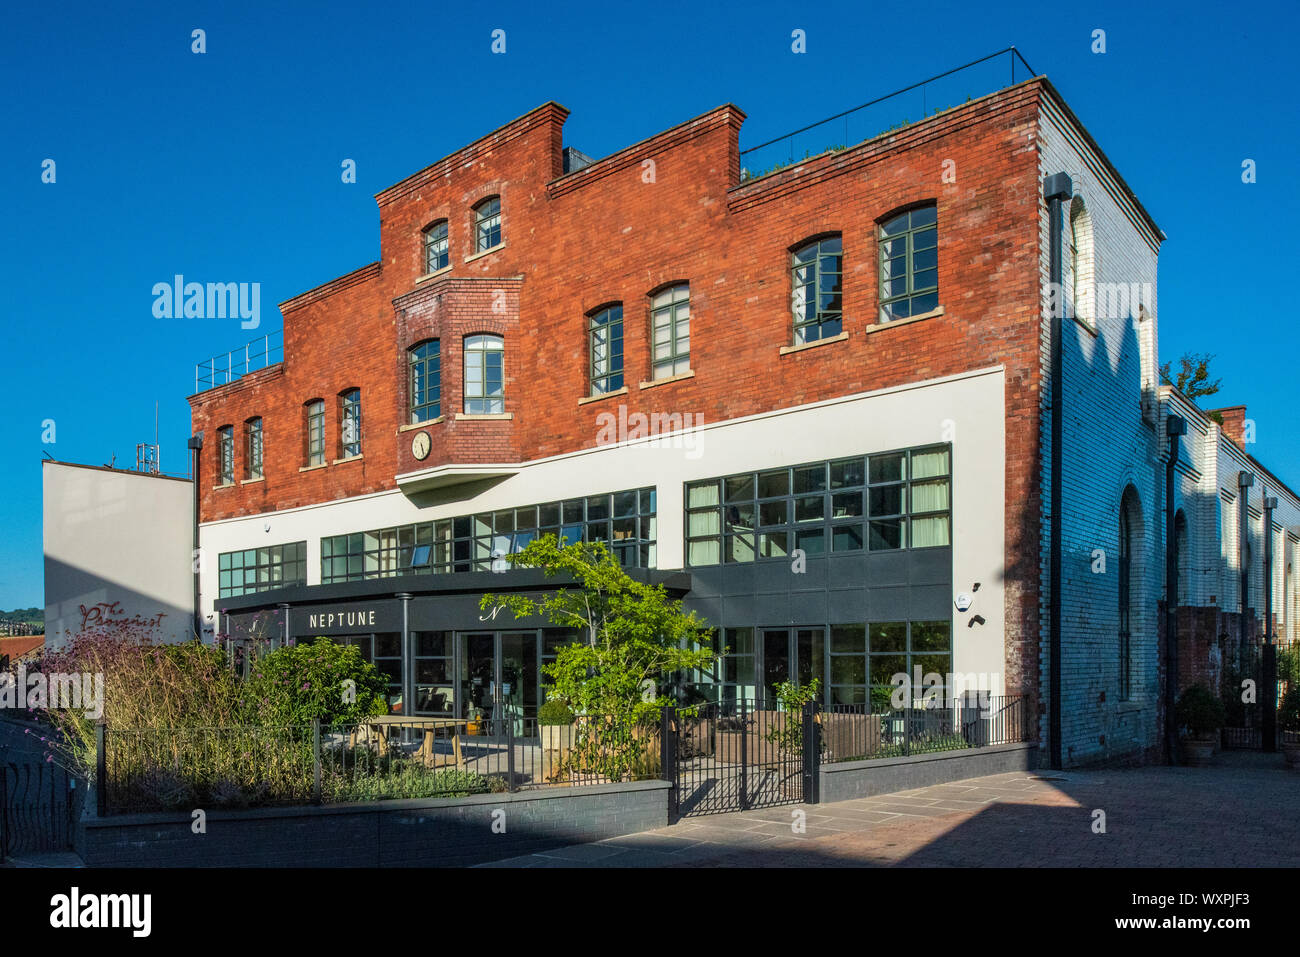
x: 380, y: 759
x: 861, y: 732
x: 886, y: 113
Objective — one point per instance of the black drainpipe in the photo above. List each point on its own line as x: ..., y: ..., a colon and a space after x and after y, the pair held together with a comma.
x: 1057, y: 188
x: 1175, y: 425
x: 1245, y: 480
x: 196, y: 445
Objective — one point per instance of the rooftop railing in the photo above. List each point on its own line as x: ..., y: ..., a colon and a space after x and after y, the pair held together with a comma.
x: 884, y: 114
x: 233, y: 366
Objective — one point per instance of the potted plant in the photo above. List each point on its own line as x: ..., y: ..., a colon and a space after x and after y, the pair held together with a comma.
x: 1288, y: 726
x: 555, y: 725
x: 1202, y: 714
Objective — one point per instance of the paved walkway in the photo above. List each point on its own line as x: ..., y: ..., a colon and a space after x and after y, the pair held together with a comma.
x: 1244, y: 812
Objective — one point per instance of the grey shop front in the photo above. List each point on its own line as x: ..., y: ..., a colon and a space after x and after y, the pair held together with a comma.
x: 440, y: 652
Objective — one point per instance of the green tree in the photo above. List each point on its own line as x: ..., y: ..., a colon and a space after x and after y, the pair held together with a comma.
x: 634, y: 638
x: 1193, y: 377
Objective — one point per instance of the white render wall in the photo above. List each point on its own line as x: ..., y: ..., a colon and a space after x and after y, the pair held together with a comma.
x: 115, y: 536
x: 1110, y: 442
x: 968, y: 410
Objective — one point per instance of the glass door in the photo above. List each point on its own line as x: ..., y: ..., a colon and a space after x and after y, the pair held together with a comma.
x: 476, y: 680
x: 776, y: 661
x: 518, y: 678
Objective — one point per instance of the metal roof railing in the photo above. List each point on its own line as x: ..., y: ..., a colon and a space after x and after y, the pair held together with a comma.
x: 233, y: 366
x: 892, y: 111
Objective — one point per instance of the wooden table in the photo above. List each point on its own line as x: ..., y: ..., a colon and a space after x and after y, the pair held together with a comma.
x: 380, y: 726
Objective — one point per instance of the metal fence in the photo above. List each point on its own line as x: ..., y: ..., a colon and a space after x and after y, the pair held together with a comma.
x: 232, y: 366
x: 860, y: 732
x: 885, y: 113
x: 374, y: 760
x: 39, y: 804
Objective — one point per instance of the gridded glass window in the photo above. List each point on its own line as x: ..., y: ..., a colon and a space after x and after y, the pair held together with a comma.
x: 261, y: 569
x: 487, y: 223
x: 435, y: 247
x: 605, y: 329
x: 226, y: 455
x: 624, y: 521
x: 434, y: 674
x: 315, y: 412
x: 844, y: 505
x: 425, y: 361
x: 670, y: 321
x: 485, y: 375
x: 350, y: 423
x: 253, y: 448
x: 817, y: 290
x: 909, y: 264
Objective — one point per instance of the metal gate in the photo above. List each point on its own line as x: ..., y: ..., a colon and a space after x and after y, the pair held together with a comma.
x: 737, y: 755
x: 38, y: 806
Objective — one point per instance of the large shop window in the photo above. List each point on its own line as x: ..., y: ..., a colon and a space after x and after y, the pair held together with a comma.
x: 261, y: 569
x: 384, y: 651
x: 882, y: 502
x: 855, y: 664
x: 624, y: 521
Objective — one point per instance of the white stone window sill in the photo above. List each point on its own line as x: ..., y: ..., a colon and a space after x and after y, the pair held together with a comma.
x: 252, y: 481
x: 892, y: 323
x: 434, y: 275
x: 604, y: 395
x: 486, y: 416
x: 787, y: 350
x: 669, y: 379
x: 487, y: 252
x: 419, y: 425
x: 224, y: 485
x: 313, y: 468
x: 348, y: 458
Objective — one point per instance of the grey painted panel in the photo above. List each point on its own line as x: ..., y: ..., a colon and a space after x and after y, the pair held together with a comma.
x: 846, y: 571
x: 889, y: 604
x: 930, y: 566
x: 887, y: 568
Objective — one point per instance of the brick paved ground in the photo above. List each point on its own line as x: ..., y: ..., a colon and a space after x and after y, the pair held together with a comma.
x: 1243, y: 812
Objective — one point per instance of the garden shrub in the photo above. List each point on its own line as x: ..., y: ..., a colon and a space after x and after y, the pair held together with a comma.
x: 296, y: 683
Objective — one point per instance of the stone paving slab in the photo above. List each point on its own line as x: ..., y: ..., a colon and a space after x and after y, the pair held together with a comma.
x: 1242, y: 813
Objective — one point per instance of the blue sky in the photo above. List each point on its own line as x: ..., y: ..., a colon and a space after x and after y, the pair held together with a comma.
x: 225, y: 166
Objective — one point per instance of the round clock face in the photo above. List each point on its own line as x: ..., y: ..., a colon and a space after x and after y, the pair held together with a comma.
x: 420, y: 445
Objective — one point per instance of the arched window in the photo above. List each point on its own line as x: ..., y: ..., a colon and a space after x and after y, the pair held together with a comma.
x: 670, y: 324
x: 487, y: 224
x: 425, y: 362
x: 350, y: 423
x: 909, y: 264
x: 1082, y: 279
x: 817, y: 290
x: 436, y: 254
x: 605, y: 332
x: 253, y: 448
x: 485, y: 375
x: 226, y: 455
x: 314, y: 416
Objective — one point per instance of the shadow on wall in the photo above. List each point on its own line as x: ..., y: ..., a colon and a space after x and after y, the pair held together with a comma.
x: 1110, y: 441
x: 77, y: 600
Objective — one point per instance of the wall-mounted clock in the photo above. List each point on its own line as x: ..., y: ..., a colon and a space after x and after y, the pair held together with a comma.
x: 420, y: 445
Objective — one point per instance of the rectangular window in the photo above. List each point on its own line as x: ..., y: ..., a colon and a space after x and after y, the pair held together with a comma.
x: 226, y: 455
x: 426, y: 381
x: 435, y: 247
x: 909, y: 264
x: 350, y: 423
x: 817, y: 290
x: 316, y: 432
x: 892, y: 500
x: 487, y: 222
x: 485, y: 375
x: 670, y: 321
x: 625, y: 521
x: 605, y: 329
x: 253, y: 448
x: 261, y: 569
